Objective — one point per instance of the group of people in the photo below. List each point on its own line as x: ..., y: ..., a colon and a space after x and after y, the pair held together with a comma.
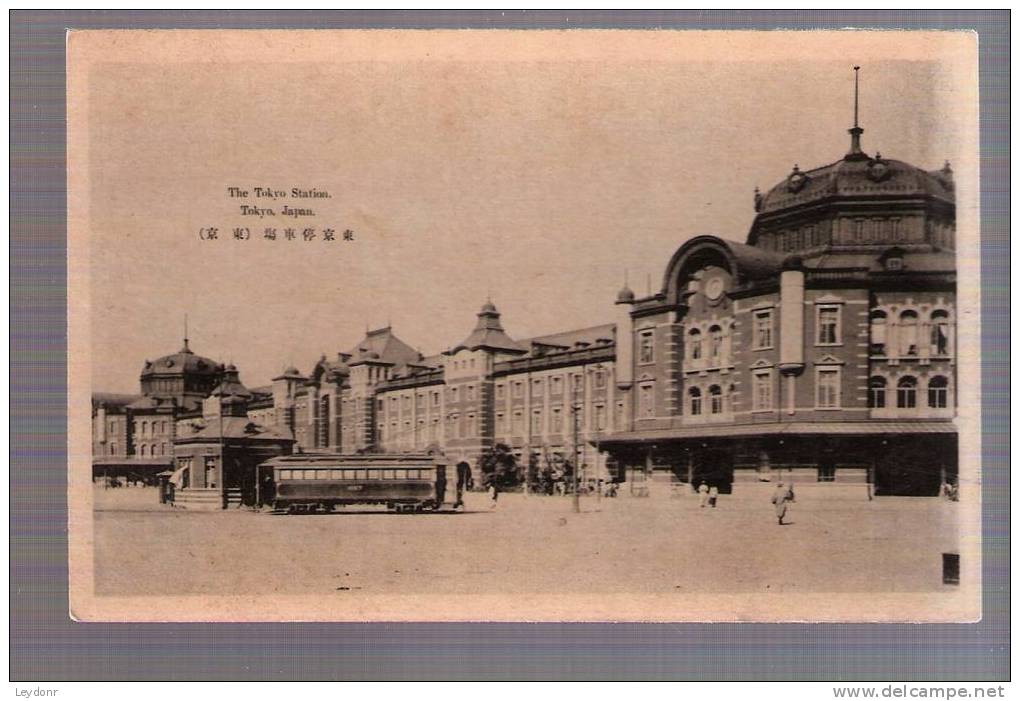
x: 781, y: 498
x: 707, y: 496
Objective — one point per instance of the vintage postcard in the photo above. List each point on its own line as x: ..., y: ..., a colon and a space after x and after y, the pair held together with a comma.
x: 523, y: 326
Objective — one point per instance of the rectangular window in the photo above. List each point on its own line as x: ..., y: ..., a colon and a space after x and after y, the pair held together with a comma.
x: 518, y: 389
x: 472, y: 426
x: 828, y: 325
x: 600, y: 417
x: 454, y: 393
x: 501, y: 423
x: 556, y: 385
x: 500, y: 388
x: 619, y: 418
x: 419, y: 401
x: 763, y: 329
x: 827, y: 389
x: 762, y: 397
x: 536, y: 422
x: 470, y: 393
x: 518, y: 424
x: 537, y: 387
x: 556, y: 420
x: 435, y: 399
x: 647, y: 400
x: 646, y: 347
x: 600, y: 379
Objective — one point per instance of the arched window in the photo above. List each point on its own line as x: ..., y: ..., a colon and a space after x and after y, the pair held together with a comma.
x: 715, y: 342
x: 876, y: 393
x: 715, y: 399
x: 938, y: 392
x: 145, y: 428
x: 940, y: 332
x: 694, y: 344
x: 906, y: 393
x: 144, y: 452
x: 695, y: 395
x: 908, y: 333
x: 730, y: 399
x: 878, y: 328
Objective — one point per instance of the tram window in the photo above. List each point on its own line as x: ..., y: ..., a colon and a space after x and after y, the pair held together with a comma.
x: 373, y: 474
x: 389, y: 474
x: 413, y: 474
x: 359, y: 474
x: 284, y: 474
x: 400, y: 474
x: 309, y: 474
x: 336, y: 474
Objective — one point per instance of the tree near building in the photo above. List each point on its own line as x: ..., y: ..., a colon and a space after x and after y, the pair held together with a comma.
x: 499, y: 465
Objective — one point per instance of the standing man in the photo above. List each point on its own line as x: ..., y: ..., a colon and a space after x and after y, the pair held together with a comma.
x: 713, y: 495
x: 463, y: 482
x: 702, y: 494
x: 781, y: 497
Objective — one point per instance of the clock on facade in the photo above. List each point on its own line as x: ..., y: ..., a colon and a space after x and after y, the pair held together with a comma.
x: 714, y: 288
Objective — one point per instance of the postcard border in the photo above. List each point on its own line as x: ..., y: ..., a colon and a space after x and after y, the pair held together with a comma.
x: 47, y: 645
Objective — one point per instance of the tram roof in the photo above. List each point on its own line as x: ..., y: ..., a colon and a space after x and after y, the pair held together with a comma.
x: 369, y: 460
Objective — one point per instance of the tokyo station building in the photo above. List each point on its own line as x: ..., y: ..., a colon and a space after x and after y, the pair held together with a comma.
x: 821, y: 348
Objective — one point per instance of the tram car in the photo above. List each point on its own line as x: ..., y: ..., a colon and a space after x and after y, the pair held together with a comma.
x: 316, y: 482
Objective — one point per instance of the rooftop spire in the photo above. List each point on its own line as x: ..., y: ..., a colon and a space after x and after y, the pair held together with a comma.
x: 185, y: 349
x: 856, y: 153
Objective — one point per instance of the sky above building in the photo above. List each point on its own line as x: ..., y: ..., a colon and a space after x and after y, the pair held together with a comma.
x: 538, y: 173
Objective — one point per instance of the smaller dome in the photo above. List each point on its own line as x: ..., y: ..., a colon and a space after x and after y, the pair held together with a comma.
x: 372, y: 355
x: 489, y: 308
x: 625, y: 295
x: 231, y: 368
x: 291, y: 370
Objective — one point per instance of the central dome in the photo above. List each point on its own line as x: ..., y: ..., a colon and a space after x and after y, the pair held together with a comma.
x: 853, y: 178
x: 183, y: 362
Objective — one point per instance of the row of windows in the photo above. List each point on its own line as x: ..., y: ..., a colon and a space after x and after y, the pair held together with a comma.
x: 909, y: 334
x: 555, y: 385
x: 715, y: 347
x: 717, y: 401
x: 827, y: 389
x: 144, y: 427
x: 828, y: 327
x: 145, y: 451
x: 356, y: 474
x: 556, y: 421
x: 906, y: 392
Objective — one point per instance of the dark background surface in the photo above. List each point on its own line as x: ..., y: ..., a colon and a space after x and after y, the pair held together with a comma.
x: 46, y: 645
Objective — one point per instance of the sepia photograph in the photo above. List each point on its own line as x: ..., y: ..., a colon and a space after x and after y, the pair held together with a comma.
x: 523, y: 326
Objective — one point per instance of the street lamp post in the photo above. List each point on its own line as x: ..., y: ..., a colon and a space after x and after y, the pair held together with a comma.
x: 598, y: 470
x: 576, y: 466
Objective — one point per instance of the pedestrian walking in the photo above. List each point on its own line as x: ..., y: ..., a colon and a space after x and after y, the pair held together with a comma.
x: 463, y: 483
x: 493, y: 493
x: 702, y: 494
x: 781, y: 497
x: 713, y: 495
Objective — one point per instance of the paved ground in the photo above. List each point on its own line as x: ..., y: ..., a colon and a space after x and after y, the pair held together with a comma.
x: 528, y: 544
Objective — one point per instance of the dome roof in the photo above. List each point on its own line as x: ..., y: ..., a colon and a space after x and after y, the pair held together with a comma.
x: 182, y: 362
x: 625, y: 295
x: 852, y: 177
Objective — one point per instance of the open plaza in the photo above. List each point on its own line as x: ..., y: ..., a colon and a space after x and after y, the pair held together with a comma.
x: 839, y: 543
